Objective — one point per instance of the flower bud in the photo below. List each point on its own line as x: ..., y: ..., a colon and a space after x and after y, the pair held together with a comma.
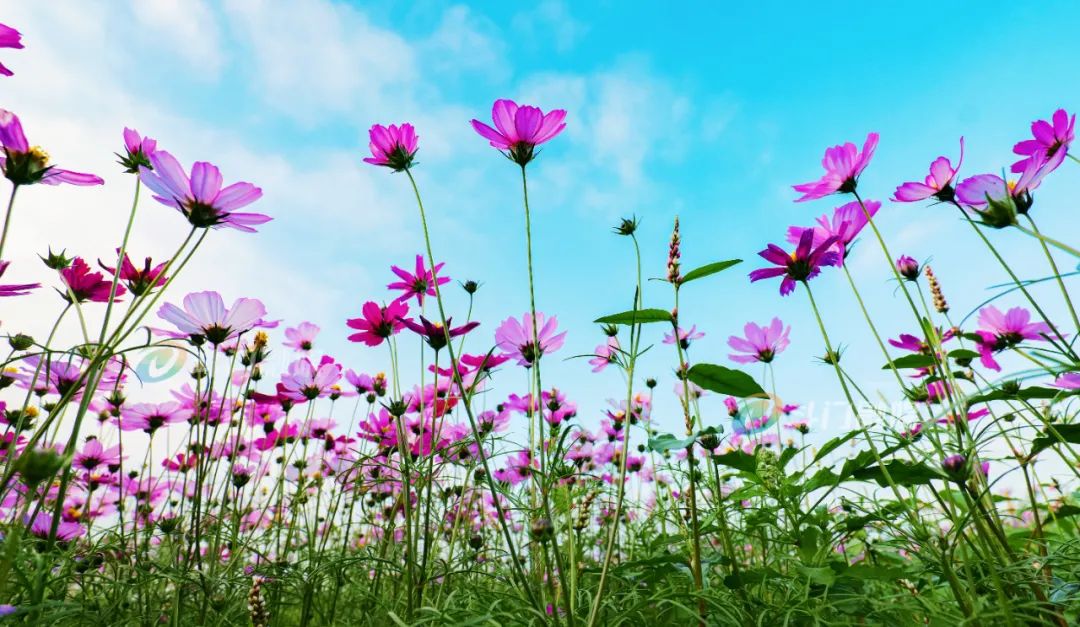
x: 908, y: 268
x: 20, y: 341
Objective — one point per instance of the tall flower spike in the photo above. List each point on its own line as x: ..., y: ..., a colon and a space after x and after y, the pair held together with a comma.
x: 674, y: 276
x: 940, y: 303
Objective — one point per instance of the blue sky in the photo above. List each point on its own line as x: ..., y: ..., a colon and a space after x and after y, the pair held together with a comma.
x: 710, y: 113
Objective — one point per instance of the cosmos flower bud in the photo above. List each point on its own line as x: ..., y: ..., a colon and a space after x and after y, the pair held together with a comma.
x: 476, y: 541
x: 908, y: 268
x: 710, y: 441
x: 627, y: 226
x: 650, y: 383
x: 541, y: 529
x: 56, y: 261
x: 20, y: 342
x: 470, y: 287
x: 955, y: 466
x: 37, y: 465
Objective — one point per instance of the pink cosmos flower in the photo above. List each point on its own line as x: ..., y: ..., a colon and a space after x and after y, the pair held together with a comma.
x: 996, y: 199
x: 201, y: 197
x: 847, y: 222
x: 842, y: 164
x: 149, y: 417
x: 138, y: 280
x: 1050, y: 144
x: 20, y: 289
x: 9, y: 38
x: 378, y: 323
x: 94, y: 454
x: 392, y: 146
x: 305, y: 381
x: 605, y: 354
x: 1067, y: 381
x: 302, y: 337
x: 801, y: 265
x: 938, y: 184
x: 419, y: 284
x: 520, y: 129
x: 204, y: 315
x: 515, y: 338
x: 26, y: 165
x: 83, y: 285
x: 999, y: 331
x: 519, y: 467
x: 685, y: 336
x: 762, y: 343
x: 41, y: 526
x: 137, y: 151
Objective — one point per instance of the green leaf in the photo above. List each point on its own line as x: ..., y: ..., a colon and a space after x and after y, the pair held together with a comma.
x: 822, y: 575
x: 902, y: 472
x: 1033, y: 392
x: 1069, y: 433
x: 706, y: 270
x: 667, y: 442
x: 738, y: 460
x: 724, y: 380
x: 963, y: 353
x: 911, y: 361
x: 834, y: 444
x: 641, y: 316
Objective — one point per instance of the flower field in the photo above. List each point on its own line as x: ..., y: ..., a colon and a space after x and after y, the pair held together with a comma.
x: 271, y: 483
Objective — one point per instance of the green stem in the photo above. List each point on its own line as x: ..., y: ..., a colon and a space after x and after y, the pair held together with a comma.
x: 7, y: 219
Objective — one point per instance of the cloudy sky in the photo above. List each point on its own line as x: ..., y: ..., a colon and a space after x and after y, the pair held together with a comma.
x: 707, y: 113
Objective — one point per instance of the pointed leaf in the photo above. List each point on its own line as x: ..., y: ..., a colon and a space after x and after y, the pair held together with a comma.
x: 724, y: 380
x: 641, y: 316
x: 706, y: 270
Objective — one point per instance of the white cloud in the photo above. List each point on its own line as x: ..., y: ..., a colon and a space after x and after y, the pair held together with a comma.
x: 187, y: 28
x: 550, y: 21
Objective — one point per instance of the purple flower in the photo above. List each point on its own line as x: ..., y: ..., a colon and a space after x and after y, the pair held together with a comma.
x: 762, y: 343
x: 139, y: 281
x: 419, y: 284
x: 302, y: 337
x: 94, y: 454
x: 137, y: 151
x: 26, y: 165
x: 204, y: 316
x: 953, y: 465
x: 847, y: 222
x: 305, y: 381
x: 378, y: 323
x: 41, y: 526
x: 938, y: 183
x: 201, y: 197
x: 83, y: 285
x: 997, y: 200
x: 515, y: 338
x: 685, y: 336
x: 1067, y: 381
x: 1051, y: 142
x: 520, y: 129
x: 150, y: 417
x: 9, y: 38
x: 999, y: 331
x: 801, y: 265
x: 605, y: 354
x: 434, y: 333
x: 392, y: 146
x: 842, y: 164
x: 19, y: 289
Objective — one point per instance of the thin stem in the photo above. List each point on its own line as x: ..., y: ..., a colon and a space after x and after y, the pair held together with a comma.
x: 7, y: 219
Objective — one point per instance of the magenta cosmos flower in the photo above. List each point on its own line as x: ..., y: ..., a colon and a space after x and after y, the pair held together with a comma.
x: 201, y: 197
x: 843, y: 165
x: 419, y: 284
x: 434, y: 333
x: 938, y: 184
x: 762, y: 343
x: 9, y: 38
x: 137, y: 151
x: 999, y: 331
x: 515, y: 338
x: 378, y: 323
x: 83, y: 285
x: 301, y: 337
x: 605, y: 354
x: 685, y: 336
x: 1067, y: 381
x: 520, y: 129
x: 998, y: 201
x: 1050, y: 144
x: 847, y: 222
x: 26, y: 165
x: 21, y: 289
x: 801, y: 265
x: 392, y: 146
x: 204, y: 316
x: 139, y: 280
x: 150, y: 417
x: 41, y: 526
